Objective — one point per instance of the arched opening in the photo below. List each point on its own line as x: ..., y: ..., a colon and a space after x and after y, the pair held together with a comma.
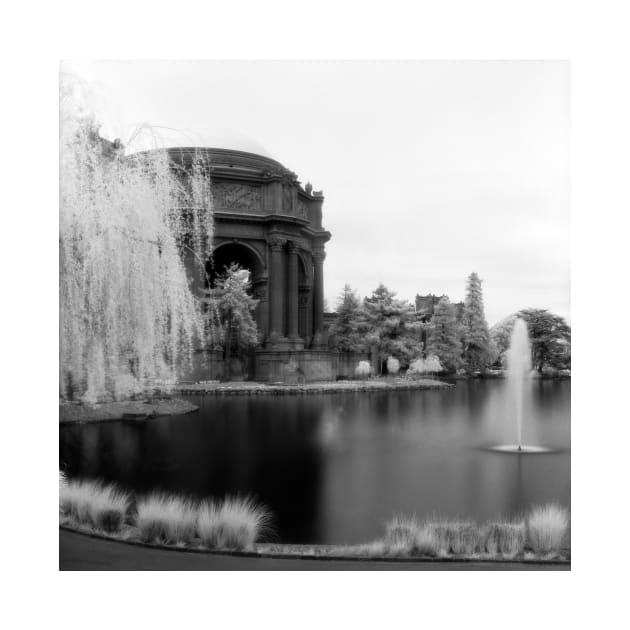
x: 246, y: 257
x: 228, y: 253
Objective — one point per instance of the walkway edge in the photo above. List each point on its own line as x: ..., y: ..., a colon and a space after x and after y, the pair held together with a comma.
x: 303, y: 556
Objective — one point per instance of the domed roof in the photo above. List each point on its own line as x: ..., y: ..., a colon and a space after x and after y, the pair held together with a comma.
x: 222, y: 149
x: 147, y: 138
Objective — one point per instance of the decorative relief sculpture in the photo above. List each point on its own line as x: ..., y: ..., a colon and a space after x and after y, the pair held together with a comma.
x: 237, y: 196
x: 288, y: 200
x: 276, y: 242
x: 301, y: 209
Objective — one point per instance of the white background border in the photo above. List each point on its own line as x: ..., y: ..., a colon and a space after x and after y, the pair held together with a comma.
x: 592, y: 35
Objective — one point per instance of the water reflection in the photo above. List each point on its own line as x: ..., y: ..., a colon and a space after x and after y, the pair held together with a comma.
x: 333, y: 468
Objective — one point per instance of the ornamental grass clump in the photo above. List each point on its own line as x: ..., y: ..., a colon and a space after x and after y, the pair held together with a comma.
x: 426, y: 542
x: 547, y: 527
x: 168, y: 519
x: 460, y: 538
x: 507, y: 539
x: 401, y: 532
x: 94, y: 504
x: 234, y: 523
x: 405, y: 535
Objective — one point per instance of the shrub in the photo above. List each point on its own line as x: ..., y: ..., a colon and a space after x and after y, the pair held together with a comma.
x: 94, y: 504
x: 546, y: 528
x: 393, y: 365
x: 423, y: 366
x: 235, y: 523
x: 432, y: 364
x: 363, y: 369
x: 505, y: 538
x: 165, y: 518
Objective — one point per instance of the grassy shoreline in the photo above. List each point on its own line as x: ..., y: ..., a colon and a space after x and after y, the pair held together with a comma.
x: 238, y: 524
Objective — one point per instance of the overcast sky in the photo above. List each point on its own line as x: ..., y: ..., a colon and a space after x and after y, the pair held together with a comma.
x: 430, y: 170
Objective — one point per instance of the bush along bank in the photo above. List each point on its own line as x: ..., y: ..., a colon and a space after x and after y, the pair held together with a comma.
x: 240, y: 524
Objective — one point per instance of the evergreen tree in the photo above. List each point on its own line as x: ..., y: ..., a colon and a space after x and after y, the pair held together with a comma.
x: 230, y: 321
x: 345, y: 326
x: 444, y: 336
x: 477, y: 351
x: 387, y: 327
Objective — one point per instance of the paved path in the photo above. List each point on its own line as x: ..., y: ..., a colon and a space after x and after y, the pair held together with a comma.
x: 78, y: 552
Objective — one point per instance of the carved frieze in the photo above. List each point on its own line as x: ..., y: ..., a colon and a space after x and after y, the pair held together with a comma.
x: 288, y: 200
x: 237, y: 196
x: 301, y: 209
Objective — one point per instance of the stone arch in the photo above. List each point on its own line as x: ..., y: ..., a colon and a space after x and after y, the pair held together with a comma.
x: 238, y: 252
x: 248, y: 257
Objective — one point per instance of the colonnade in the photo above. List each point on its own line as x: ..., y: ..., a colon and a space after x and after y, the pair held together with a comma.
x: 284, y: 292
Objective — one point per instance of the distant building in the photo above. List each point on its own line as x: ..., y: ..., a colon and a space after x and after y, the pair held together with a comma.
x: 425, y: 306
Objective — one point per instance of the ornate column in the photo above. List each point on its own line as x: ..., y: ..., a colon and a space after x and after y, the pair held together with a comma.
x: 292, y: 293
x: 318, y: 295
x: 276, y: 278
x: 262, y: 314
x: 305, y: 327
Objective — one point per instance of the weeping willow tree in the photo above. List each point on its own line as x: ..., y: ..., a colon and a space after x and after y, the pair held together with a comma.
x: 128, y: 320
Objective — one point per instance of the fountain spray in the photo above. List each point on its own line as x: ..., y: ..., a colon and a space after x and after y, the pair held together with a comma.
x: 518, y: 368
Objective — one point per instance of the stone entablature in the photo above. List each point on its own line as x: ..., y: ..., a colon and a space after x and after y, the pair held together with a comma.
x: 266, y: 221
x: 247, y: 182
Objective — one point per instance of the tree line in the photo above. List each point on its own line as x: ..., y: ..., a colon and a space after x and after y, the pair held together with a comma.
x: 388, y: 327
x: 395, y: 335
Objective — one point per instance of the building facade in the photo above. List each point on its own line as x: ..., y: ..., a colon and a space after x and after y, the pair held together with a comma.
x: 267, y: 222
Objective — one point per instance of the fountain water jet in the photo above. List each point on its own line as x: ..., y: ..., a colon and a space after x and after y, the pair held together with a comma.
x: 519, y: 365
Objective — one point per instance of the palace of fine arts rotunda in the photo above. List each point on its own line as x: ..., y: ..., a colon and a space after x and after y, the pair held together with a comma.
x: 268, y: 223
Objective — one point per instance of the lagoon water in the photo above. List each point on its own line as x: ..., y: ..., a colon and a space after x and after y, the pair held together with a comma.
x: 334, y: 467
